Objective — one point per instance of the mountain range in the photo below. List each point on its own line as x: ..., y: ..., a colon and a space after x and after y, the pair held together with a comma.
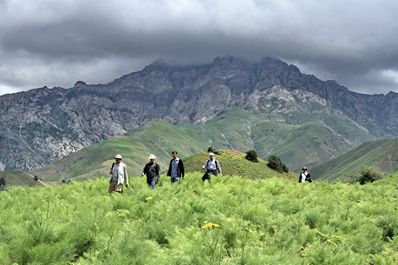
x: 43, y: 125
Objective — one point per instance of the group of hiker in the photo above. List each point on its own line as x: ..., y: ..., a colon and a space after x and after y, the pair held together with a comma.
x: 176, y: 171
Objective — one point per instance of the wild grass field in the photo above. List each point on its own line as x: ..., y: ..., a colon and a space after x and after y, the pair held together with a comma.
x: 233, y: 220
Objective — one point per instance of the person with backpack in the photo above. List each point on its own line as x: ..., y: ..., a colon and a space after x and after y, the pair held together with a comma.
x: 176, y: 168
x: 212, y: 167
x: 152, y: 171
x: 118, y: 176
x: 305, y: 176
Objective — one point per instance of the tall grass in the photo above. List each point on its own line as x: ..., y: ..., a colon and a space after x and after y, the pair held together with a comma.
x: 233, y: 220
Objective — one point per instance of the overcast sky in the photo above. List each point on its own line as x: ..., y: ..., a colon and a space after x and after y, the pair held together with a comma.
x: 56, y: 43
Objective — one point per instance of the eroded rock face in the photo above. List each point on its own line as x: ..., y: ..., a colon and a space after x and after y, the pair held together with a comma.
x: 43, y: 125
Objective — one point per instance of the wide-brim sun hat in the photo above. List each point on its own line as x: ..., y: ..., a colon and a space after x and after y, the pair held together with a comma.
x: 152, y: 156
x: 118, y: 156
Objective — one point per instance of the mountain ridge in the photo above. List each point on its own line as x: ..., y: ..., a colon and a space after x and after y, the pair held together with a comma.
x: 44, y: 125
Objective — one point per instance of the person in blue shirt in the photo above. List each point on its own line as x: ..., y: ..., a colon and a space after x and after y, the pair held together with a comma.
x: 176, y: 168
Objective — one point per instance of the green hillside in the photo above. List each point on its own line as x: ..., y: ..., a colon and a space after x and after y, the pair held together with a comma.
x: 17, y: 178
x: 305, y: 144
x: 233, y: 220
x: 234, y: 163
x: 381, y: 154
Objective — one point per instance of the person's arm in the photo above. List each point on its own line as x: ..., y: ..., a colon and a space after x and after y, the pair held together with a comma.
x: 158, y: 170
x: 120, y: 177
x: 205, y: 165
x: 182, y: 170
x: 169, y: 170
x: 126, y: 177
x: 218, y: 165
x: 145, y: 170
x: 111, y: 172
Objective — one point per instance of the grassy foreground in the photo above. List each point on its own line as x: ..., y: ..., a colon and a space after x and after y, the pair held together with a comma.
x: 234, y: 220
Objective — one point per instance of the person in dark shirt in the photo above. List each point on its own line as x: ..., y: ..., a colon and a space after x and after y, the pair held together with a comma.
x: 176, y: 168
x: 152, y: 171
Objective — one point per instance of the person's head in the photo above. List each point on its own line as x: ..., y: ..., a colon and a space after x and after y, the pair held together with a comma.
x: 211, y: 156
x: 152, y: 158
x: 118, y: 158
x: 305, y: 169
x: 174, y: 154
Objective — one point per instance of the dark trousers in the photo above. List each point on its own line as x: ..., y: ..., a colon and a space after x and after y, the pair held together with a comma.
x: 208, y: 174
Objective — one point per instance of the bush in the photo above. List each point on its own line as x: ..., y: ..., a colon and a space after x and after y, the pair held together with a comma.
x: 369, y: 175
x: 251, y: 155
x: 213, y: 150
x: 2, y: 181
x: 276, y: 163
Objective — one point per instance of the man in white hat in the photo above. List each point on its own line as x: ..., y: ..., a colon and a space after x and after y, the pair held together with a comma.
x: 212, y: 167
x: 152, y: 171
x: 118, y: 175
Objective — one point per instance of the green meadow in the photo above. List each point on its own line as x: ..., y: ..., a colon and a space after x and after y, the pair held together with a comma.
x: 233, y: 220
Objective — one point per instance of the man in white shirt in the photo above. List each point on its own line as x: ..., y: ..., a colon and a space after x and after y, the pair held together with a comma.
x: 212, y: 167
x: 118, y: 176
x: 305, y: 176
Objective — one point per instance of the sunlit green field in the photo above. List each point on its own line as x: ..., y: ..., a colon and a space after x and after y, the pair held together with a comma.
x: 233, y: 220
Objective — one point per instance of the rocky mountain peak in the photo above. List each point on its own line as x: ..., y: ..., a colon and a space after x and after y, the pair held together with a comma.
x: 43, y: 125
x: 80, y: 84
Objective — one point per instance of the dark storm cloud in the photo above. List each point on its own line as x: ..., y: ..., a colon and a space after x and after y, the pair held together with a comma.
x: 53, y: 43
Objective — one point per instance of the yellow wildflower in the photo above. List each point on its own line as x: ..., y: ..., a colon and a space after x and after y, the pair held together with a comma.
x: 209, y: 225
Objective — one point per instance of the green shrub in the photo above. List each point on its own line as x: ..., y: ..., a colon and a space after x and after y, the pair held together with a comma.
x: 276, y: 163
x: 369, y: 175
x: 213, y: 150
x: 251, y: 155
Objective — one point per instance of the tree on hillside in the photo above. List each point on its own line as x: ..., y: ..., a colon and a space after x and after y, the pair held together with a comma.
x: 251, y: 155
x: 213, y: 150
x: 2, y: 183
x: 369, y: 175
x: 276, y: 163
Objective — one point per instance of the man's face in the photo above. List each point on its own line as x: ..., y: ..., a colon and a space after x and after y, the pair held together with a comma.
x: 151, y: 161
x: 211, y: 157
x: 118, y: 160
x: 174, y: 155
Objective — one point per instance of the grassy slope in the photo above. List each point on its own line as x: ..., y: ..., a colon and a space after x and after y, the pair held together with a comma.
x: 237, y: 129
x: 232, y: 221
x: 375, y: 153
x: 234, y: 163
x: 16, y: 178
